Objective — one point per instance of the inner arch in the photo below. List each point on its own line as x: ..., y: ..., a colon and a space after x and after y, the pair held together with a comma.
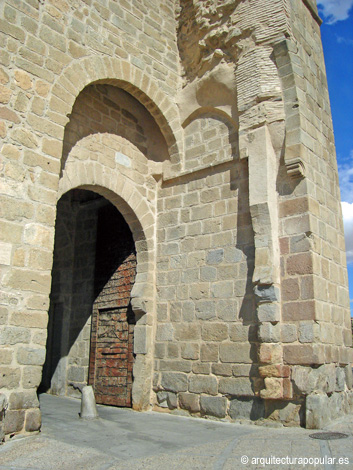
x: 102, y: 108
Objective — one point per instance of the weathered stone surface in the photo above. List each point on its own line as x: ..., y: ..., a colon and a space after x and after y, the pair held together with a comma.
x: 264, y: 293
x: 31, y: 356
x: 29, y: 320
x: 317, y: 411
x: 306, y: 380
x: 203, y: 384
x: 165, y: 332
x: 201, y: 368
x: 23, y: 79
x: 269, y: 333
x: 5, y: 94
x: 273, y: 388
x: 31, y: 377
x: 214, y: 332
x: 300, y: 264
x: 187, y: 332
x: 6, y: 355
x: 205, y: 310
x: 247, y: 408
x: 162, y: 399
x: 268, y: 312
x: 238, y: 386
x: 9, y: 377
x: 175, y: 382
x: 33, y: 420
x: 288, y: 333
x: 167, y: 400
x: 340, y: 379
x: 14, y: 335
x: 291, y: 414
x: 213, y: 406
x: 295, y: 311
x: 190, y: 351
x: 14, y: 421
x: 215, y: 256
x: 274, y: 370
x: 190, y: 402
x: 174, y: 364
x: 23, y: 400
x: 270, y: 353
x: 300, y: 354
x: 235, y: 352
x: 3, y: 406
x: 349, y: 376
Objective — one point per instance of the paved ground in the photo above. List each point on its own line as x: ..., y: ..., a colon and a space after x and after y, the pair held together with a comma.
x: 124, y: 439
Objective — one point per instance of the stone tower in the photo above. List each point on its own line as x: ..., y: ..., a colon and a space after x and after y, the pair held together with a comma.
x: 171, y: 229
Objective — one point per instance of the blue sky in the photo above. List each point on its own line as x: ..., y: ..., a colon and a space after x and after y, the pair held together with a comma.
x: 337, y: 40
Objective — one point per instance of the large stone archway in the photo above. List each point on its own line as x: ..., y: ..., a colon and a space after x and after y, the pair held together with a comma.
x: 125, y: 191
x: 114, y: 147
x: 75, y: 296
x: 91, y: 321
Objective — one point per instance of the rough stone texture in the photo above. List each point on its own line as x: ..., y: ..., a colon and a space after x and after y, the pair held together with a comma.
x: 306, y: 380
x: 247, y: 408
x: 190, y: 402
x: 207, y: 125
x: 33, y: 420
x: 213, y: 406
x: 175, y: 382
x: 321, y: 408
x: 23, y: 400
x: 167, y: 400
x: 289, y: 414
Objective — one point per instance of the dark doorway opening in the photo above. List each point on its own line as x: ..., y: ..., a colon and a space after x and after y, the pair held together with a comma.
x: 91, y: 323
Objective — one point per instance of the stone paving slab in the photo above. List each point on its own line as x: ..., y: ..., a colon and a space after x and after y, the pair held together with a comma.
x: 122, y: 438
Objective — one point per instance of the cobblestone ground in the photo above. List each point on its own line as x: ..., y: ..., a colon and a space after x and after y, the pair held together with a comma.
x: 122, y: 439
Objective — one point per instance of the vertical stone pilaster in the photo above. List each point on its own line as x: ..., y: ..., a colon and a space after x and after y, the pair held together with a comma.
x: 263, y: 200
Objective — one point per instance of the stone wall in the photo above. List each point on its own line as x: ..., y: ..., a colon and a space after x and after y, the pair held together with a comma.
x: 206, y: 342
x: 207, y: 125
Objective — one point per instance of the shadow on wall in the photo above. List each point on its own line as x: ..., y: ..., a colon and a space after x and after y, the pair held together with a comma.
x: 108, y: 109
x: 247, y: 406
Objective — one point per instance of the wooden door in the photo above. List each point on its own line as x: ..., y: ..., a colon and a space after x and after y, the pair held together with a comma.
x: 112, y: 331
x: 113, y: 356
